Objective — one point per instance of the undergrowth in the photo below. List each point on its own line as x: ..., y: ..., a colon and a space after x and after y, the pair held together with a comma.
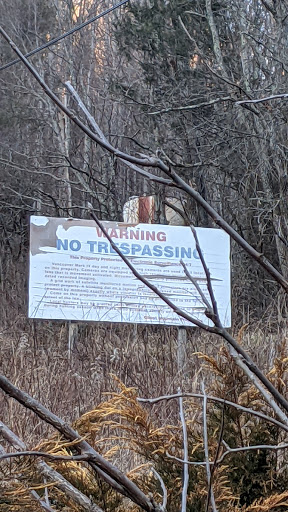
x: 138, y: 437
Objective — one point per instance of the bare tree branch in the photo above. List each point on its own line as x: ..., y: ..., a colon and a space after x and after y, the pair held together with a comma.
x: 214, y: 466
x: 163, y: 487
x: 99, y: 132
x: 185, y: 452
x: 262, y: 100
x: 247, y: 410
x: 215, y: 315
x: 33, y: 493
x: 107, y: 471
x: 217, y: 329
x: 147, y: 161
x: 228, y: 451
x: 255, y: 255
x: 196, y: 284
x: 241, y: 359
x: 191, y: 107
x: 210, y: 495
x: 51, y: 474
x: 240, y: 449
x: 191, y: 463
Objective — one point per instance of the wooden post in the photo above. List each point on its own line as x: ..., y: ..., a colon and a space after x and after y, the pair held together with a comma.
x: 143, y: 209
x: 72, y: 336
x: 181, y: 349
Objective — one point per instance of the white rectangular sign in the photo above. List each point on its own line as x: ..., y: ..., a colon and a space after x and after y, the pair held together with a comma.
x: 75, y: 274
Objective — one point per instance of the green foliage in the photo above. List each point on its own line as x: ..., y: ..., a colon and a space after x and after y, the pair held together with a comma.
x: 153, y: 30
x: 256, y: 474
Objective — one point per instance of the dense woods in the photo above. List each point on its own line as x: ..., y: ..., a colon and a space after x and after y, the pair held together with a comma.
x: 193, y: 91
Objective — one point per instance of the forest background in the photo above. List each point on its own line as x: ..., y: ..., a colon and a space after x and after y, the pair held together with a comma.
x: 202, y: 86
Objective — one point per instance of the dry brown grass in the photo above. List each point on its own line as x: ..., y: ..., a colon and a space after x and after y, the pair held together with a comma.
x: 82, y: 389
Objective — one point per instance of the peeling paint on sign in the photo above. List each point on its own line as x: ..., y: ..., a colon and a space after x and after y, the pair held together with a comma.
x: 75, y: 274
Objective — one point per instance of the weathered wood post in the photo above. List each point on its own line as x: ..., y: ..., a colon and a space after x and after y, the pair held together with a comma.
x: 144, y: 209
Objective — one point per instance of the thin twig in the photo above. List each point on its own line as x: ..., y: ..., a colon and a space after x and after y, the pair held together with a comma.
x: 182, y: 213
x: 213, y: 315
x: 185, y: 452
x: 247, y: 410
x: 104, y: 139
x: 163, y: 487
x: 214, y: 466
x: 210, y: 496
x: 191, y: 107
x: 63, y: 458
x: 197, y: 286
x: 272, y: 447
x: 189, y: 462
x: 229, y: 450
x: 145, y: 281
x: 33, y: 493
x: 262, y: 100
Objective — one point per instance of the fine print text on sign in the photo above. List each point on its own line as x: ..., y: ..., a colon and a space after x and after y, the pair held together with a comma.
x: 75, y: 274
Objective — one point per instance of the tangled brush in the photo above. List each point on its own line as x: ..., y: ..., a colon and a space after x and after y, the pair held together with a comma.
x: 150, y: 452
